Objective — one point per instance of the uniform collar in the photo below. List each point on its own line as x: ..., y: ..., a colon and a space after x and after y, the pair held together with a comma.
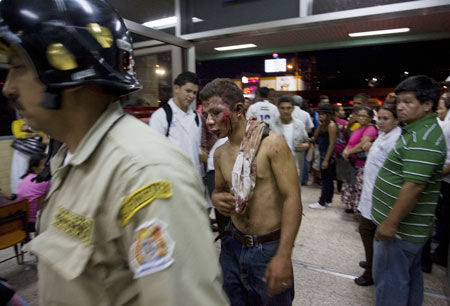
x: 424, y: 121
x: 93, y: 138
x: 176, y: 109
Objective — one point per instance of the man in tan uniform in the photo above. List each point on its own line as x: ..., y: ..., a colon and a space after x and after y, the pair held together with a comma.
x: 121, y: 224
x: 257, y: 186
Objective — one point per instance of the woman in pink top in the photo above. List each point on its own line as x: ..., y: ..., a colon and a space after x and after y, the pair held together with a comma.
x: 30, y: 190
x: 366, y: 132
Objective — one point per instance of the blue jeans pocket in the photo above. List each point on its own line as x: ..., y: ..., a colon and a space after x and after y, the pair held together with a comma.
x: 269, y: 249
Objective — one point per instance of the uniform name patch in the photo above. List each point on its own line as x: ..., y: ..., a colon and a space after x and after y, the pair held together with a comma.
x: 152, y: 249
x: 142, y: 197
x: 73, y: 224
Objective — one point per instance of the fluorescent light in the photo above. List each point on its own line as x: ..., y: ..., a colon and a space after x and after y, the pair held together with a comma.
x: 380, y: 32
x: 161, y: 23
x: 165, y: 23
x: 195, y: 20
x: 227, y: 48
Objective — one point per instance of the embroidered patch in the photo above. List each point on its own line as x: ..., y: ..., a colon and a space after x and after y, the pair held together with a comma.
x: 152, y: 249
x: 73, y: 224
x: 141, y: 198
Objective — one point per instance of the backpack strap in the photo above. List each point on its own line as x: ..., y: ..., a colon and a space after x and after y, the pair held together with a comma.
x: 196, y: 118
x: 168, y: 110
x: 169, y: 114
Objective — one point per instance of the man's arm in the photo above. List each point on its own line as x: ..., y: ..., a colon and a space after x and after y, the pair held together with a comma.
x: 446, y: 170
x: 279, y: 271
x: 304, y: 145
x: 221, y: 198
x: 406, y: 201
x: 158, y: 121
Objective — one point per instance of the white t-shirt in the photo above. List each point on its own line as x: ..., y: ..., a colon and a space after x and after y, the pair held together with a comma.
x: 303, y: 116
x: 219, y: 142
x: 263, y: 111
x: 446, y: 131
x: 377, y: 155
x: 288, y: 133
x: 183, y: 132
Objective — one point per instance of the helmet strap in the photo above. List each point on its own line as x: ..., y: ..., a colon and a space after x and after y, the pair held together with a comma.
x: 52, y: 100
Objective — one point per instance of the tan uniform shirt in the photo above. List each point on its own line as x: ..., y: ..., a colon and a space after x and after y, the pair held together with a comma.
x: 124, y: 223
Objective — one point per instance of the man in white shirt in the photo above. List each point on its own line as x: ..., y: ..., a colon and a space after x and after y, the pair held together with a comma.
x: 185, y: 127
x: 301, y: 115
x: 293, y: 131
x: 263, y: 110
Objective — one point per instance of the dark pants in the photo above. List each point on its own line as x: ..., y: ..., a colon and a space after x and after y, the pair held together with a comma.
x: 440, y: 255
x: 367, y: 231
x: 327, y: 177
x: 243, y: 272
x: 222, y: 221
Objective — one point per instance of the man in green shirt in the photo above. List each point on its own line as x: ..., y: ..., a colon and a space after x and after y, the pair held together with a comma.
x: 405, y: 195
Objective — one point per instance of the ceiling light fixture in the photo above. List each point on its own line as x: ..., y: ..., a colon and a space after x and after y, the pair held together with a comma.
x: 165, y: 23
x: 235, y: 47
x: 380, y: 32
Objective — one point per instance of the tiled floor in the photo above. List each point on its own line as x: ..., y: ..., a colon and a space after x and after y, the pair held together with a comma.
x: 326, y: 255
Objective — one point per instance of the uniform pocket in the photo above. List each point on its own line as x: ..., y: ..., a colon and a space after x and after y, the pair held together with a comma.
x: 67, y: 255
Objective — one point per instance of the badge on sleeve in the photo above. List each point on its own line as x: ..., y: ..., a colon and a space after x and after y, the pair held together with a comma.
x: 152, y: 249
x: 142, y: 197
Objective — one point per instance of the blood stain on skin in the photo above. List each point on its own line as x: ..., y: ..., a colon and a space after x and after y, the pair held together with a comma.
x: 226, y: 119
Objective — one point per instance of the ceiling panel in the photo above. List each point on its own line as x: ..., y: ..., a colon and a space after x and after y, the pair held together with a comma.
x: 334, y: 32
x: 144, y: 10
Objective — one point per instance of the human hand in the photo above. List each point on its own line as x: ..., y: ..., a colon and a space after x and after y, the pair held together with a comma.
x: 203, y: 156
x: 385, y: 231
x: 224, y: 202
x: 300, y: 147
x: 25, y: 128
x: 366, y: 146
x: 278, y: 275
x: 324, y: 164
x: 345, y: 154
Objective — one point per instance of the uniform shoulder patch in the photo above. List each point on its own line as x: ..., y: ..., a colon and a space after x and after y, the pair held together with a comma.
x: 75, y: 225
x: 142, y: 197
x: 152, y: 249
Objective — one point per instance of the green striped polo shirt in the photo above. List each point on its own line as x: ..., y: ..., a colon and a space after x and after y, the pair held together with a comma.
x: 418, y: 157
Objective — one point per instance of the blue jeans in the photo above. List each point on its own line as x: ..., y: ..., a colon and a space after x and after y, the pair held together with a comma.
x: 397, y: 272
x: 243, y: 271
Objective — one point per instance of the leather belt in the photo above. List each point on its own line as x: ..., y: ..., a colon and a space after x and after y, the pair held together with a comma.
x: 252, y: 240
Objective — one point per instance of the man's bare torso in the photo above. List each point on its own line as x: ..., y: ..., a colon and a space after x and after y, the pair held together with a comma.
x: 263, y: 213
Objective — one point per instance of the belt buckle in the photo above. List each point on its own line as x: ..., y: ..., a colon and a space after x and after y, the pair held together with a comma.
x: 249, y: 240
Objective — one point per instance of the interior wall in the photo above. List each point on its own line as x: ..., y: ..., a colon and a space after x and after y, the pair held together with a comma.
x: 6, y: 152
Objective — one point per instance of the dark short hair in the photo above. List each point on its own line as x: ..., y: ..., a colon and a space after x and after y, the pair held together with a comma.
x: 187, y: 77
x: 33, y: 162
x: 367, y: 109
x: 286, y: 98
x: 326, y: 108
x: 263, y: 92
x: 225, y: 89
x: 298, y: 100
x: 336, y: 108
x: 323, y: 97
x: 424, y: 87
x: 391, y: 109
x: 361, y: 96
